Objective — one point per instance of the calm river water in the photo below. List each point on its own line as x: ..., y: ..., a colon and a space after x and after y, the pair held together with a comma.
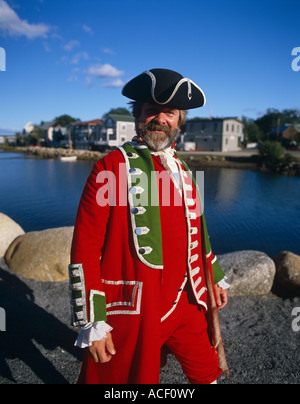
x: 244, y: 209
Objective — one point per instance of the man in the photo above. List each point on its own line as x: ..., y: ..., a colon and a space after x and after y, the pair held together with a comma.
x: 142, y: 274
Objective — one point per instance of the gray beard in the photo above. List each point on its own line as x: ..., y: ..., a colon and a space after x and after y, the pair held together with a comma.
x: 156, y: 141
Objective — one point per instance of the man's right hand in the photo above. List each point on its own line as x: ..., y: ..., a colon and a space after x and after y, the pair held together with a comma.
x: 102, y: 351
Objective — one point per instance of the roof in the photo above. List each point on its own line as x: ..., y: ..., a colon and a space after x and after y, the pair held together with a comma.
x: 283, y: 128
x: 47, y: 125
x: 92, y: 122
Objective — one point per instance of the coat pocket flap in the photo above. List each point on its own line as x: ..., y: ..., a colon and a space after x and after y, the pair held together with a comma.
x: 122, y: 297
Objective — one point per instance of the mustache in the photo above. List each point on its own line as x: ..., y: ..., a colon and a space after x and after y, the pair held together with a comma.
x: 152, y: 126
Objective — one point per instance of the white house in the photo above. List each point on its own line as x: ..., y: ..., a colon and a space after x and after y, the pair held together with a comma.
x: 28, y: 128
x: 219, y: 134
x: 114, y: 131
x: 48, y: 128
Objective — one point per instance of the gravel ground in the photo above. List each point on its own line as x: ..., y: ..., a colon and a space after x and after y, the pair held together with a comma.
x: 37, y: 346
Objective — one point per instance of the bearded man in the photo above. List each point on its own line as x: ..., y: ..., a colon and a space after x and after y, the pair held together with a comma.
x: 143, y: 276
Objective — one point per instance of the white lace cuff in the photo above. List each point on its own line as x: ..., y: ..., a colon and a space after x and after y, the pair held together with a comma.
x: 92, y: 332
x: 223, y: 284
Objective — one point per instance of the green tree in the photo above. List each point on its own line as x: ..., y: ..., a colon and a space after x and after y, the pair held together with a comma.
x: 64, y: 120
x: 272, y: 156
x: 268, y: 122
x: 116, y: 111
x: 251, y: 130
x: 274, y: 118
x: 34, y: 137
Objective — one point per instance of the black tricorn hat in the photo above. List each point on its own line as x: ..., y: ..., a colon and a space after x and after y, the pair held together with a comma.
x: 165, y: 87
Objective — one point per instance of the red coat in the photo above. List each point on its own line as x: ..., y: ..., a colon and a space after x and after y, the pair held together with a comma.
x: 138, y: 296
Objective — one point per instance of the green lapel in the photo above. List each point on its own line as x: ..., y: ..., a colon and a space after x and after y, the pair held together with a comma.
x: 144, y: 204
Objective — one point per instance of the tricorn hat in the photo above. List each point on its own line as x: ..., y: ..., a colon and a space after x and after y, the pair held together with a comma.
x: 165, y: 87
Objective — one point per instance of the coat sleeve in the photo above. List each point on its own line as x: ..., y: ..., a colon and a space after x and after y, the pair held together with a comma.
x: 86, y: 290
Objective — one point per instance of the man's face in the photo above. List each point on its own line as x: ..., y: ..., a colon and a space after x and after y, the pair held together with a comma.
x: 158, y: 126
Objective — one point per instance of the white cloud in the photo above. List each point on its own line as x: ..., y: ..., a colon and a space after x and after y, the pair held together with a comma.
x: 76, y: 59
x: 104, y: 71
x: 11, y: 24
x: 87, y: 29
x: 71, y: 45
x: 108, y: 51
x: 114, y: 84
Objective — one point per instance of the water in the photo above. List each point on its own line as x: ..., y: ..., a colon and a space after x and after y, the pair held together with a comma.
x: 244, y: 209
x: 250, y: 210
x: 41, y: 194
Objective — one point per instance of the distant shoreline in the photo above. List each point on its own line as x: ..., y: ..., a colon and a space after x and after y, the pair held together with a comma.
x: 244, y: 159
x: 191, y: 158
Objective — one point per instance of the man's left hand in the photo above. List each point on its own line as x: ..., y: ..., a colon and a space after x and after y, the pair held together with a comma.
x: 221, y: 297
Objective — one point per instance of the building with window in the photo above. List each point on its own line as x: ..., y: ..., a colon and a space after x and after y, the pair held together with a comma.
x: 220, y: 134
x: 114, y: 131
x: 83, y: 133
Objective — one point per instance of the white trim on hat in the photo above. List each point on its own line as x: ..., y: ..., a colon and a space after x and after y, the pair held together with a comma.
x: 183, y: 80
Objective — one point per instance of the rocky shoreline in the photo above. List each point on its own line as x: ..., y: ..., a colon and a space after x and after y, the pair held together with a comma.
x: 239, y: 159
x: 192, y: 158
x: 37, y: 346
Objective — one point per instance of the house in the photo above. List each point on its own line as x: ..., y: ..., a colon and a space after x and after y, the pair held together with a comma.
x: 48, y: 128
x: 285, y: 134
x: 8, y: 139
x: 28, y: 128
x: 83, y: 134
x: 219, y: 134
x: 114, y: 131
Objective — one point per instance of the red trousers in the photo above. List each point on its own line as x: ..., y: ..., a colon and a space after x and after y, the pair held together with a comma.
x: 184, y: 332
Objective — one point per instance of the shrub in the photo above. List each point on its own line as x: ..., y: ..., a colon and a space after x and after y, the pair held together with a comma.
x: 273, y: 157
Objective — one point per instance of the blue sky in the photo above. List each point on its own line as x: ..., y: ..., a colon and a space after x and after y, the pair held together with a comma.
x: 73, y: 56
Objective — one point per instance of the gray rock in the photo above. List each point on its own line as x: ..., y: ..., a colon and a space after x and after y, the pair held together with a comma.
x: 248, y: 272
x: 41, y: 255
x: 287, y: 278
x: 9, y: 231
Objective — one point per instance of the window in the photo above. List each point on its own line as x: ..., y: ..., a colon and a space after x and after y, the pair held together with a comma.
x: 109, y: 123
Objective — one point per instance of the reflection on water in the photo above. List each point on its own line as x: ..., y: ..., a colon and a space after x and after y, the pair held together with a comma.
x: 250, y: 210
x: 244, y: 209
x: 41, y: 194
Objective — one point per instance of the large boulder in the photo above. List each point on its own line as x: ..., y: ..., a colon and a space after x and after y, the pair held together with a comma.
x: 287, y: 278
x: 41, y: 255
x: 9, y: 231
x: 248, y: 272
